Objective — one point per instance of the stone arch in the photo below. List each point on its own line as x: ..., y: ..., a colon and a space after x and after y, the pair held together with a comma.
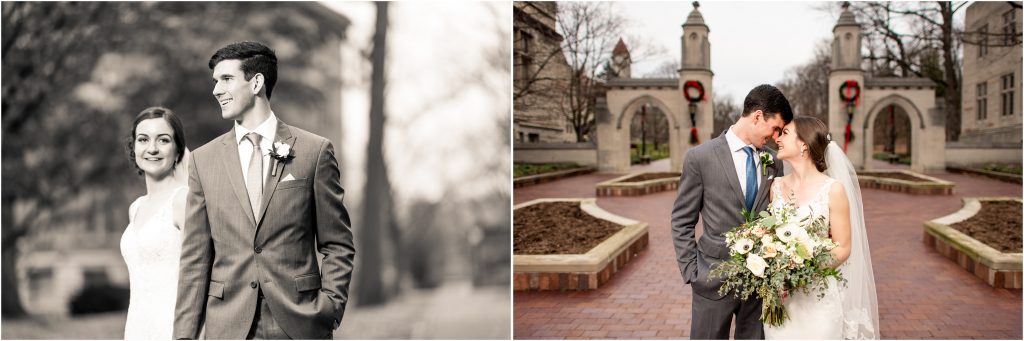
x: 629, y: 110
x: 907, y: 104
x: 916, y: 135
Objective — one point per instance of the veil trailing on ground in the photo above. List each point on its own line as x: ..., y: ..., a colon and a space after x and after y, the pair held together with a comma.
x: 860, y: 303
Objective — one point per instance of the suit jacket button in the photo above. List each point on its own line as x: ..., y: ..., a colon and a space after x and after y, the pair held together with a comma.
x: 258, y: 250
x: 252, y: 284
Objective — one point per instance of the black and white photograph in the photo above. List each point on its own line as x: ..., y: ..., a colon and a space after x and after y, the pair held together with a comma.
x: 256, y: 170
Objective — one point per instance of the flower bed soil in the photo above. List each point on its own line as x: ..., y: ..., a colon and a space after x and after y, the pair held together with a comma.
x: 892, y: 175
x: 558, y: 228
x: 650, y: 176
x: 997, y: 224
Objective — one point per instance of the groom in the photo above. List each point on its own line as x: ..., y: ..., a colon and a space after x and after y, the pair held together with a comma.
x: 720, y: 179
x: 264, y: 199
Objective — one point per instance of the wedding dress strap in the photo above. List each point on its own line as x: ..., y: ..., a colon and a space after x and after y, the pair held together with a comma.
x: 824, y: 190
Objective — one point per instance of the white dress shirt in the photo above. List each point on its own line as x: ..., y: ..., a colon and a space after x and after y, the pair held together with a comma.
x: 739, y: 159
x: 267, y: 131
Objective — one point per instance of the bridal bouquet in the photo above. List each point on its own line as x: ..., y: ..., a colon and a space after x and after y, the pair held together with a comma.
x: 781, y: 249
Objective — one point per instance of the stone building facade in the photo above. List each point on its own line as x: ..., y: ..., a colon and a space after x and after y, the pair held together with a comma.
x: 540, y: 75
x: 992, y: 76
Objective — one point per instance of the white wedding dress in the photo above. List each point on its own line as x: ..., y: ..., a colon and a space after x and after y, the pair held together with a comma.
x: 849, y: 312
x: 810, y: 317
x: 152, y: 251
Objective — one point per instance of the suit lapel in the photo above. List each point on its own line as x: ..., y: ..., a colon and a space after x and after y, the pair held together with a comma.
x: 234, y: 170
x: 725, y: 158
x: 284, y: 134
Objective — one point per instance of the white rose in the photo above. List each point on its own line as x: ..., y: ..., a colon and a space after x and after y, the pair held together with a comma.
x: 808, y: 243
x: 767, y: 239
x: 743, y: 246
x: 282, y: 149
x: 756, y: 265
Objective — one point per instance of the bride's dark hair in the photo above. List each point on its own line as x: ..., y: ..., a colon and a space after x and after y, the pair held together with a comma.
x: 814, y: 133
x: 172, y: 120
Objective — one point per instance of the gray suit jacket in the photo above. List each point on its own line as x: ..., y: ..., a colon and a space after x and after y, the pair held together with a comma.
x: 226, y: 253
x: 709, y: 188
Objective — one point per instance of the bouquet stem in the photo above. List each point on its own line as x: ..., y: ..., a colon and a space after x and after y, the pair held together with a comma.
x: 773, y: 313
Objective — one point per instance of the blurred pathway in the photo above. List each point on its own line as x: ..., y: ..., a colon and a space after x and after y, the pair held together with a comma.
x: 921, y: 294
x: 662, y: 165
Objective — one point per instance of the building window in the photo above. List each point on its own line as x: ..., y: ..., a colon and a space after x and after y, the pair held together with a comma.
x: 1009, y: 28
x: 534, y: 137
x: 982, y: 101
x: 525, y: 56
x: 983, y: 41
x: 1007, y: 93
x: 521, y: 137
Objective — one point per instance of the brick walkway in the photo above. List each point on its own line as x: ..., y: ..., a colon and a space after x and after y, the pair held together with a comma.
x: 921, y: 295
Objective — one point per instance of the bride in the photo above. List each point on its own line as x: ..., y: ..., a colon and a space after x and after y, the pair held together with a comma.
x: 151, y: 244
x: 823, y: 183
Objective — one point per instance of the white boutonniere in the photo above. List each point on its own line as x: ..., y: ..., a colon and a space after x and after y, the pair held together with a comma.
x: 766, y: 161
x: 281, y: 152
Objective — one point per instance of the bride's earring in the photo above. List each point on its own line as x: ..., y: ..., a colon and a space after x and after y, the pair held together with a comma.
x: 802, y: 153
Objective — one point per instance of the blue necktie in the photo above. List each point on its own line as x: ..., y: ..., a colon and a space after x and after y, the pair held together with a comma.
x: 751, y: 178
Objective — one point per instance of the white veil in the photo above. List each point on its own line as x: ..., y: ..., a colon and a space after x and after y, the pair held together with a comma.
x: 860, y: 303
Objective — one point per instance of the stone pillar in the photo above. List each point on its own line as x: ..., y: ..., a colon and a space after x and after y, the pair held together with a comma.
x: 846, y: 60
x: 696, y: 66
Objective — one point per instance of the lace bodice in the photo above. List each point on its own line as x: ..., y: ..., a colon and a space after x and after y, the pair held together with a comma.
x: 152, y: 250
x: 817, y: 206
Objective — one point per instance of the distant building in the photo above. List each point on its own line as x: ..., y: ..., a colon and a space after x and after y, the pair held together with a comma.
x: 991, y: 94
x: 541, y: 75
x: 621, y: 66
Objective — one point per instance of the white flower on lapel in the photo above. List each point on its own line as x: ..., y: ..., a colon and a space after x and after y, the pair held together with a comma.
x: 281, y: 152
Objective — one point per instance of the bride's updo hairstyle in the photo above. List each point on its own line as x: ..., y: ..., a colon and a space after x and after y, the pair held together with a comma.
x: 814, y: 133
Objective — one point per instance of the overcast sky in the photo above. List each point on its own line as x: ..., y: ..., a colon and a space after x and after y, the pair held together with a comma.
x: 751, y: 42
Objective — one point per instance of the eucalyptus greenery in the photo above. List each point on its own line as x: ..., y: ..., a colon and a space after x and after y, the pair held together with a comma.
x: 782, y: 249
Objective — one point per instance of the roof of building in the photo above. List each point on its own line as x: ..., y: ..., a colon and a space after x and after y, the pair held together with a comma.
x: 643, y: 82
x: 620, y: 48
x: 898, y: 82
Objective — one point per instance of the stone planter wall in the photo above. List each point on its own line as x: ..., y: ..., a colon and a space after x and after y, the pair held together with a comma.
x: 998, y: 269
x: 1012, y: 178
x: 530, y: 180
x: 617, y: 188
x: 927, y: 186
x: 588, y: 271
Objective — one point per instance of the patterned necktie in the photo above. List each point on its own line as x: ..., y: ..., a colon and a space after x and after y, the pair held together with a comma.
x: 254, y: 175
x: 751, y: 178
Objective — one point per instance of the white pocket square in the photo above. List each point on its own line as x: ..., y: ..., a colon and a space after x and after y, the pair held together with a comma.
x: 288, y: 177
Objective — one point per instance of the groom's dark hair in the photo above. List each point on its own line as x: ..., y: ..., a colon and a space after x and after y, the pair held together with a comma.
x: 255, y: 57
x: 770, y: 101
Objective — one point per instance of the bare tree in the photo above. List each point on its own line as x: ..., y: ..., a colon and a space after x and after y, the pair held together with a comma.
x: 917, y: 39
x: 727, y: 111
x: 806, y: 85
x: 378, y: 240
x: 589, y: 31
x: 667, y: 69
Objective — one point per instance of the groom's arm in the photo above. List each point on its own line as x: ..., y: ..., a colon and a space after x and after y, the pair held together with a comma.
x: 196, y: 260
x: 685, y: 212
x: 333, y: 230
